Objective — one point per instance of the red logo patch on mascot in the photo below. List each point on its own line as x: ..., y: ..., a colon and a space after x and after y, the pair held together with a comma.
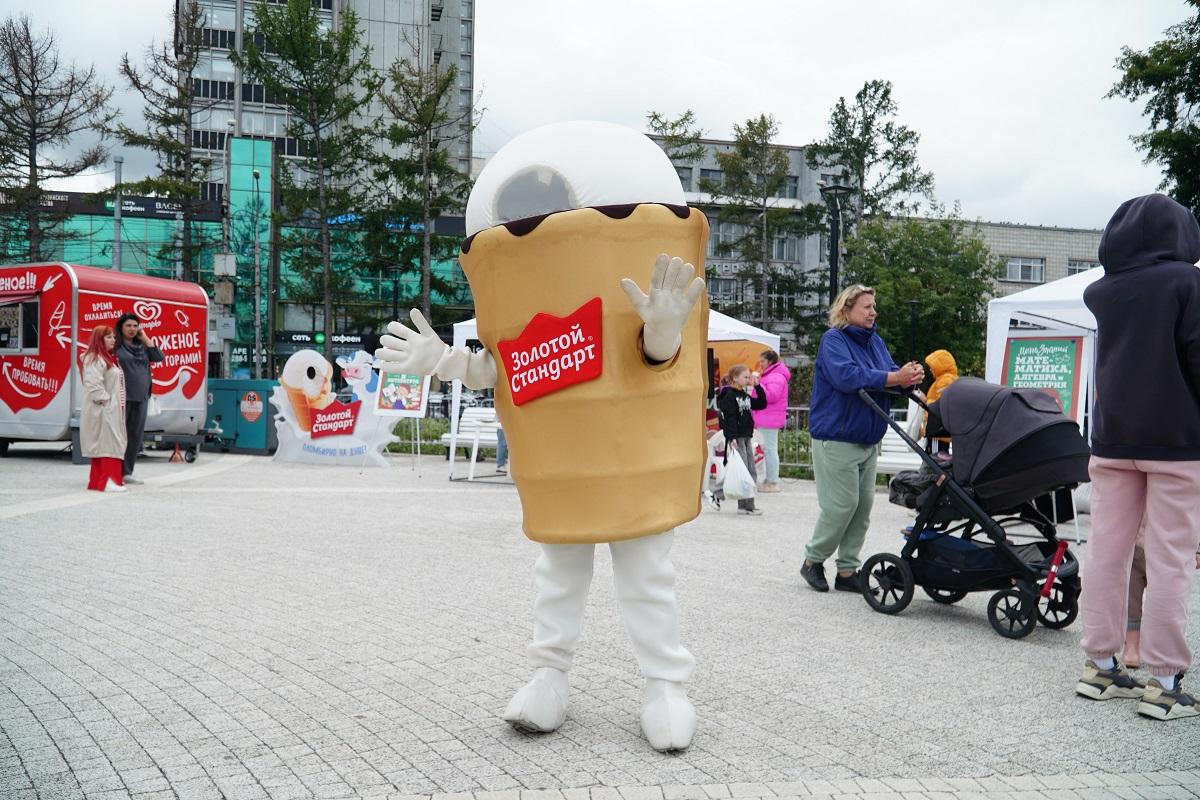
x: 336, y: 419
x: 553, y: 353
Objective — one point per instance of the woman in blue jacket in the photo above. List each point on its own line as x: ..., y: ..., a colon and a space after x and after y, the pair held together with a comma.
x: 846, y: 432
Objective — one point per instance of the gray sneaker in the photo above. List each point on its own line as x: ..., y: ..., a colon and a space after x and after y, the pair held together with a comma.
x: 1108, y: 684
x: 1158, y: 703
x: 132, y: 481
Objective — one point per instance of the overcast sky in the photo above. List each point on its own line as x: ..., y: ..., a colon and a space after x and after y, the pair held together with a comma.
x: 1008, y: 97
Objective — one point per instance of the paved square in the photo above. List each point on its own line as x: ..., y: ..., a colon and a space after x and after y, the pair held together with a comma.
x: 243, y: 629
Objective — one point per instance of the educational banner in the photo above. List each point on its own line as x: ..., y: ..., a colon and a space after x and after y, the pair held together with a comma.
x: 1048, y: 363
x: 401, y: 394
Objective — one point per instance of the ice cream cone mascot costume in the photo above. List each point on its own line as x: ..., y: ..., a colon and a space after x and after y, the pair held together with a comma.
x: 600, y: 387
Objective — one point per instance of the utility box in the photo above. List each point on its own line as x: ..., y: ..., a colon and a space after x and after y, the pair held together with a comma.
x: 242, y: 411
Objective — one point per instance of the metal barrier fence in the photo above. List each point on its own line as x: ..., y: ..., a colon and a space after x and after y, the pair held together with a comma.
x: 794, y: 447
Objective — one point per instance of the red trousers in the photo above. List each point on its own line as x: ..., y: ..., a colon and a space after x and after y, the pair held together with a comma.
x: 104, y: 470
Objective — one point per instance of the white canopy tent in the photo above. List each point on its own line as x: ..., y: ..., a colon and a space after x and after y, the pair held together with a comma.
x: 1056, y: 306
x: 721, y: 328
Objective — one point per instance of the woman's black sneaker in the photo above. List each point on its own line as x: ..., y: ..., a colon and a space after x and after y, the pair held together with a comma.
x: 848, y: 583
x: 815, y: 575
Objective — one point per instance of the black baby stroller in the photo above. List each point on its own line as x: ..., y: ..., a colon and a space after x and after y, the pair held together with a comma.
x: 1012, y: 449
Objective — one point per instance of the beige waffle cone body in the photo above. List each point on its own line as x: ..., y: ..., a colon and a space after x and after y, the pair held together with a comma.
x: 299, y: 402
x: 623, y: 455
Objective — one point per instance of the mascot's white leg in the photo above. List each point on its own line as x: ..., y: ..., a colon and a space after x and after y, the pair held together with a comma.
x: 562, y: 576
x: 645, y: 584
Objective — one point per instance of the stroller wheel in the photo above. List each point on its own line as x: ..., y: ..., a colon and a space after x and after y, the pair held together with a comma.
x: 946, y: 597
x: 887, y: 583
x: 1059, y: 609
x: 1011, y: 613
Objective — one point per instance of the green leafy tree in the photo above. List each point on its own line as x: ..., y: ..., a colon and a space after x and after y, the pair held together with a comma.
x: 44, y: 106
x: 680, y: 135
x: 939, y: 262
x: 165, y: 83
x: 876, y: 154
x: 1168, y: 75
x: 750, y: 199
x: 415, y: 177
x: 325, y: 80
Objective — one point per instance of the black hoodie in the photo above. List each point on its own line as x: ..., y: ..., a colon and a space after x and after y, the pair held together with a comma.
x: 1147, y: 309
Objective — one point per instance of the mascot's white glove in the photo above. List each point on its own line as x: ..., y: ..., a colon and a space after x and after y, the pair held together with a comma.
x: 416, y: 352
x: 421, y: 352
x: 674, y: 290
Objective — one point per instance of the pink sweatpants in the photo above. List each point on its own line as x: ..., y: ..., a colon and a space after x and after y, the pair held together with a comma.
x: 1168, y: 494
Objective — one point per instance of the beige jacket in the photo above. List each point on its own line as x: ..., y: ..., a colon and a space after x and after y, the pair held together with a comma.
x: 102, y: 425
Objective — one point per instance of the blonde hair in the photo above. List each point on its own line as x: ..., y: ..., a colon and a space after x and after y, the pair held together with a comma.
x: 844, y: 302
x: 737, y: 369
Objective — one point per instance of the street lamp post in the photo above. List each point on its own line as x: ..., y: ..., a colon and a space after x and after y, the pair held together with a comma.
x: 257, y: 285
x: 118, y: 161
x: 833, y: 196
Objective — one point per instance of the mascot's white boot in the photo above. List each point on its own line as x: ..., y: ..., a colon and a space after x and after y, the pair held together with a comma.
x: 645, y: 587
x: 541, y: 705
x: 668, y: 717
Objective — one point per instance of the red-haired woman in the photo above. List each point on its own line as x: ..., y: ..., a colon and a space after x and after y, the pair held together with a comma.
x: 102, y: 419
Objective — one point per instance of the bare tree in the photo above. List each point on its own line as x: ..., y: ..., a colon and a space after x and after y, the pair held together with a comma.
x: 167, y: 86
x: 44, y: 104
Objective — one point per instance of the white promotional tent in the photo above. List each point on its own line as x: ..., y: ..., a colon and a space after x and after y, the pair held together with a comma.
x: 721, y: 328
x: 1056, y: 306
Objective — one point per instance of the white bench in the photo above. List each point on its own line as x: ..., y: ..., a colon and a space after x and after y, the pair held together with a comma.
x: 476, y: 427
x: 894, y: 455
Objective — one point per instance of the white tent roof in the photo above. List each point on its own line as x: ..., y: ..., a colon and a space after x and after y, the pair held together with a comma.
x: 721, y: 328
x: 1057, y: 305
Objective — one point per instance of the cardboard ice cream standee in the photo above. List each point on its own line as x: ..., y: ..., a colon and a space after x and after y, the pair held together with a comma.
x: 580, y: 255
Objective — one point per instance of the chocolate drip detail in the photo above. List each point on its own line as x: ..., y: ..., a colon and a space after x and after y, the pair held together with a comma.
x: 520, y: 227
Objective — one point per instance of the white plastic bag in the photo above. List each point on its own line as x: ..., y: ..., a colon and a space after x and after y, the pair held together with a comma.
x: 739, y: 483
x: 153, y: 406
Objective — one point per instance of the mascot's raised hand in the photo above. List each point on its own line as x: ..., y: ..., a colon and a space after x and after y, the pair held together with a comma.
x: 415, y: 351
x: 421, y: 352
x: 674, y: 290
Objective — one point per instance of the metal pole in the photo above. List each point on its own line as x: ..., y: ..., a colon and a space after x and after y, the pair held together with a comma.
x: 257, y: 286
x: 118, y: 161
x: 835, y: 233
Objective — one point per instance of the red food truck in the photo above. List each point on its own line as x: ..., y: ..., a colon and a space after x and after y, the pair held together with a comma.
x: 47, y: 313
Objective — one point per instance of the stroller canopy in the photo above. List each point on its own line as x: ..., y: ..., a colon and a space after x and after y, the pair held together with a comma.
x: 1010, y: 445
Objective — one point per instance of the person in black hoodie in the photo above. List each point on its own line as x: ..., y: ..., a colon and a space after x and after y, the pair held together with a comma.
x: 737, y: 423
x: 1145, y: 451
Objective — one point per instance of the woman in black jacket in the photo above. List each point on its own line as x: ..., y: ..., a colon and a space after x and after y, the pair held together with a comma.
x: 737, y: 423
x: 136, y: 351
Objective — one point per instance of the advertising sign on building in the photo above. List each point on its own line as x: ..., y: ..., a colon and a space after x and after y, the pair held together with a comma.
x: 1048, y: 363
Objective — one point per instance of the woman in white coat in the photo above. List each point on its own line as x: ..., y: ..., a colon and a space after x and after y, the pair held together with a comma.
x: 102, y: 418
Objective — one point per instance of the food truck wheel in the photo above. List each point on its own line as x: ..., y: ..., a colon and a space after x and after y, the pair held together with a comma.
x: 189, y: 455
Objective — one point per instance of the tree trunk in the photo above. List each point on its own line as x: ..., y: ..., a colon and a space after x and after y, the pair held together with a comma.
x: 33, y: 202
x: 326, y: 254
x: 766, y: 267
x: 426, y: 267
x: 189, y: 211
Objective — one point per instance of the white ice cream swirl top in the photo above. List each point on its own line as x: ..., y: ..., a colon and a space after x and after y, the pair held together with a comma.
x: 307, y: 371
x: 569, y: 165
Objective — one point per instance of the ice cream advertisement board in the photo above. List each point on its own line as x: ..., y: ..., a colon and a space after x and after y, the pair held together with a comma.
x: 315, y: 427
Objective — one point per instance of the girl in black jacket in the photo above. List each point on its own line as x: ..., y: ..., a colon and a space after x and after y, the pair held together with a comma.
x: 737, y: 423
